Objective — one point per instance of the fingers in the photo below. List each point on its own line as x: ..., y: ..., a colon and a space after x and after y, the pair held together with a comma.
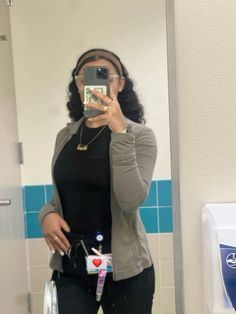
x: 52, y: 229
x: 102, y: 119
x: 54, y: 247
x: 51, y: 248
x: 112, y: 113
x: 112, y: 94
x: 64, y: 225
x: 106, y: 109
x: 105, y: 99
x: 64, y: 243
x: 106, y: 102
x: 97, y: 106
x: 59, y: 249
x: 99, y: 120
x: 59, y: 241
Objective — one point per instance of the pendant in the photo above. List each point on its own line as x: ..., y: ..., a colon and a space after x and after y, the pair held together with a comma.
x: 82, y: 147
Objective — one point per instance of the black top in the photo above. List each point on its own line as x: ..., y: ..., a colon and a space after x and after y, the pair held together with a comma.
x: 83, y: 182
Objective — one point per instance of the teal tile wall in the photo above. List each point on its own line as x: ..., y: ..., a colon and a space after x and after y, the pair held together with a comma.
x: 164, y: 193
x: 155, y: 212
x: 34, y: 197
x: 149, y: 218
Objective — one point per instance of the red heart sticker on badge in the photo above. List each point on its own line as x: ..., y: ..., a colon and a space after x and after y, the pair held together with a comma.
x: 97, y: 262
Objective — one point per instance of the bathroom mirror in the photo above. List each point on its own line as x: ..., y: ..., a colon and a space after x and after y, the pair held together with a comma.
x: 47, y: 39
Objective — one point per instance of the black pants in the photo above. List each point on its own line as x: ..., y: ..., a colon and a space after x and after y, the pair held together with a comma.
x: 129, y: 296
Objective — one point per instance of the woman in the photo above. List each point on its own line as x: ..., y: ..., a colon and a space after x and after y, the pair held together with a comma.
x: 102, y: 168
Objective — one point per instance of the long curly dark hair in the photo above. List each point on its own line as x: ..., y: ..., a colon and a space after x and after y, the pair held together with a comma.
x: 128, y: 99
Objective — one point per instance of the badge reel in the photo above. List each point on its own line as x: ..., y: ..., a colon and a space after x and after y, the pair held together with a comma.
x: 99, y: 238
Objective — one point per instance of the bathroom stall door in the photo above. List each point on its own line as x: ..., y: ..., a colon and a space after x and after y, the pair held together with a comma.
x: 13, y: 274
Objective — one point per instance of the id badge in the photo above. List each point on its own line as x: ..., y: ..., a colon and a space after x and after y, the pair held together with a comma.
x: 95, y: 263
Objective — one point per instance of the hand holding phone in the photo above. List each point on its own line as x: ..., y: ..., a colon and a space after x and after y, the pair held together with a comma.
x: 112, y: 113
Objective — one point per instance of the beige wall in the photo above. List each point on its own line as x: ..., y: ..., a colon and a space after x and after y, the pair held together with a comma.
x: 206, y: 99
x: 48, y: 37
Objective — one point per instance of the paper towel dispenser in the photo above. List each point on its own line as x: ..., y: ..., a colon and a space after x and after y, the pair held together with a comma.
x: 219, y: 258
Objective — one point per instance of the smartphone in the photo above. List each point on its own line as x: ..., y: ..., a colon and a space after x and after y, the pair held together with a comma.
x: 95, y: 77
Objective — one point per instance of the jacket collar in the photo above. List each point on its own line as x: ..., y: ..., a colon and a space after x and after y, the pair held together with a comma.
x: 74, y: 125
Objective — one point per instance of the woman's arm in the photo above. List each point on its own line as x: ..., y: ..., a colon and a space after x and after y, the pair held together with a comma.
x: 51, y: 222
x: 50, y: 207
x: 132, y: 161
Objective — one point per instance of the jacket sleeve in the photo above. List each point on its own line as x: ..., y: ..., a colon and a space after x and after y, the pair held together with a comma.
x: 133, y: 160
x: 50, y: 207
x: 46, y: 209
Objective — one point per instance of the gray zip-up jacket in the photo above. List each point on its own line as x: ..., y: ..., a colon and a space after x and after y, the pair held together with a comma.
x: 132, y: 160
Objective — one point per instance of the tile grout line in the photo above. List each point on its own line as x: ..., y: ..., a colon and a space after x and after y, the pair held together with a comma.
x: 158, y: 211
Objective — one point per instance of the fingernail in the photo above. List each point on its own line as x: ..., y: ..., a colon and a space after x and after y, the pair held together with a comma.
x: 61, y: 253
x: 85, y: 102
x: 52, y: 251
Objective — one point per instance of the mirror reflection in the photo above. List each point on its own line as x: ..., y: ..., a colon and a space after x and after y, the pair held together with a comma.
x: 50, y: 72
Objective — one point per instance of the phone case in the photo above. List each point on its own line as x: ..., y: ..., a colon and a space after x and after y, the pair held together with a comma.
x: 93, y: 80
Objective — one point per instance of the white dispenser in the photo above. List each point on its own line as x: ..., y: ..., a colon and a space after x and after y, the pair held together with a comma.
x: 219, y: 258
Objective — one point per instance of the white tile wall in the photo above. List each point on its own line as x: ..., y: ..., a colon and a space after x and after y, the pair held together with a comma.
x: 166, y: 272
x: 167, y: 297
x: 37, y: 303
x: 38, y: 276
x: 165, y: 246
x: 38, y: 252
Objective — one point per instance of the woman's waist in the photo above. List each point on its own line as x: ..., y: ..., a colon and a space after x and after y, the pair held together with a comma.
x: 99, y: 235
x: 87, y: 222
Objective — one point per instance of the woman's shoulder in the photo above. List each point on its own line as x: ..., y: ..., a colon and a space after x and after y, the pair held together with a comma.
x: 62, y: 133
x: 138, y: 129
x: 143, y: 134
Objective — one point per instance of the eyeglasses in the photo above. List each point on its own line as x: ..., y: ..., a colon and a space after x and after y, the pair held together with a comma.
x: 112, y: 78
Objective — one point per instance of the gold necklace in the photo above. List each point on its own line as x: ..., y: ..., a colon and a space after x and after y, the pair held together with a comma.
x: 84, y: 147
